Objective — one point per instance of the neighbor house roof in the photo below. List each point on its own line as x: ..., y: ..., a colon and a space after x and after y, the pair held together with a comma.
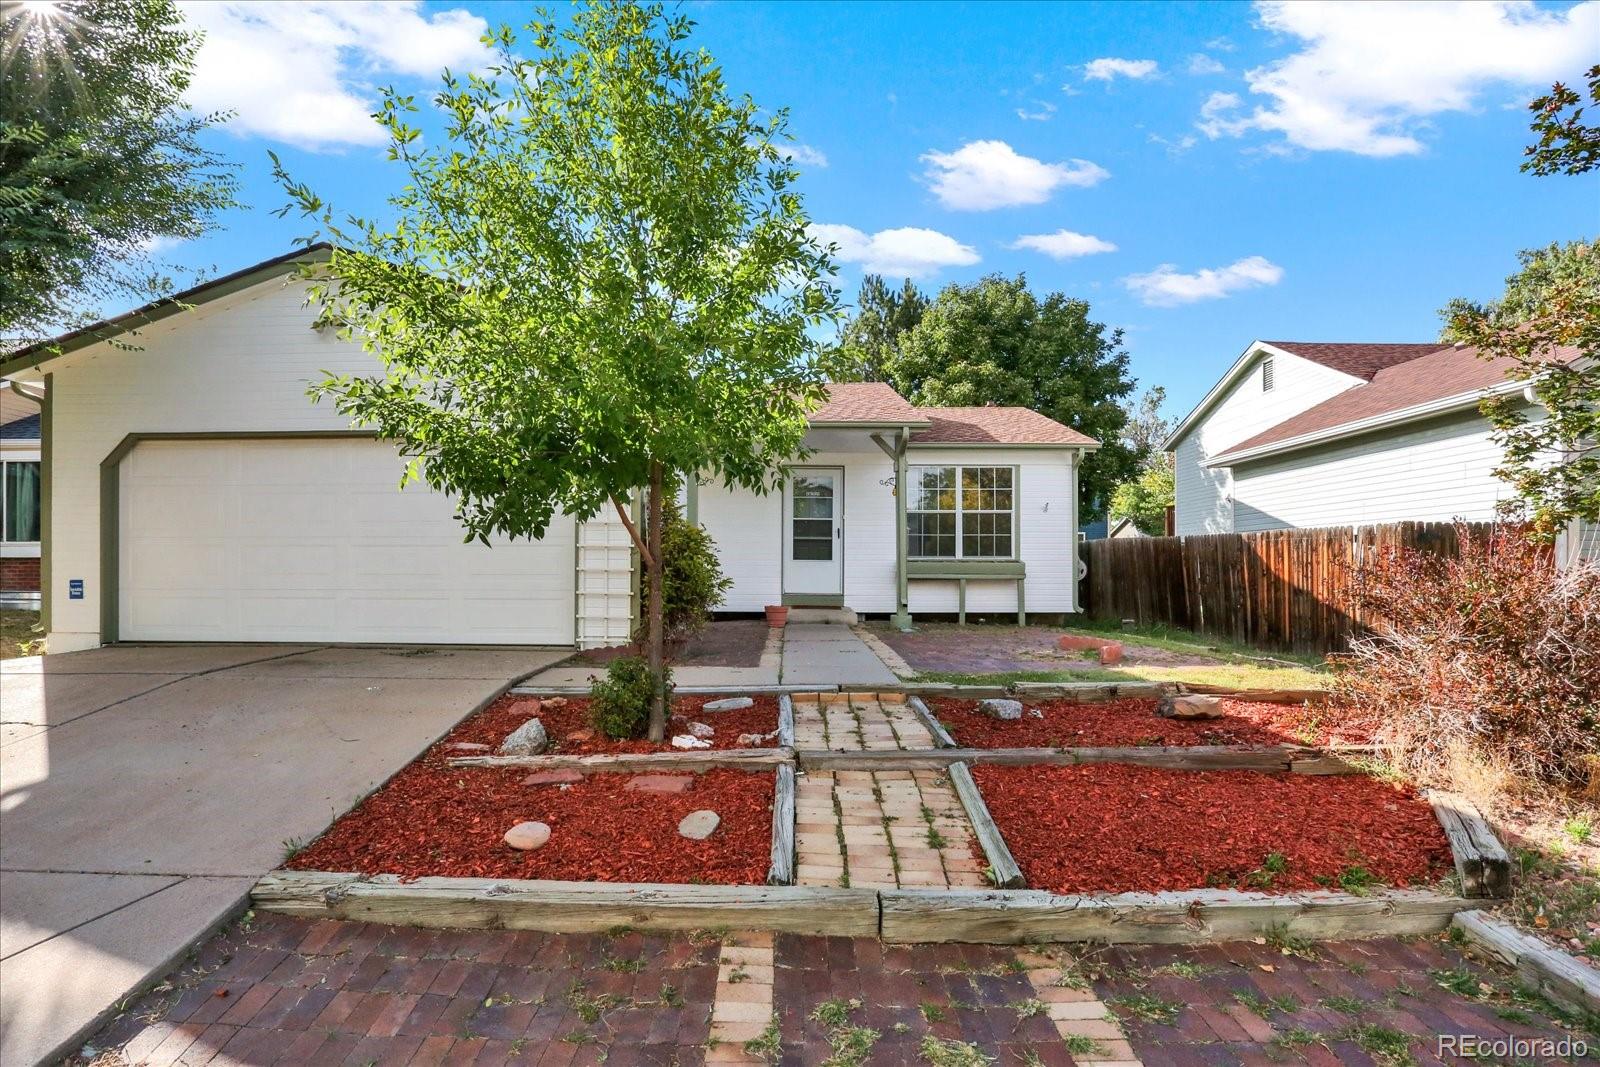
x: 1437, y: 380
x: 874, y: 403
x: 1359, y: 360
x: 23, y: 429
x: 995, y: 426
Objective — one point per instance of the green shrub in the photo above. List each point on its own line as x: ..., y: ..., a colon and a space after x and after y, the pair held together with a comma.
x: 693, y: 584
x: 619, y: 703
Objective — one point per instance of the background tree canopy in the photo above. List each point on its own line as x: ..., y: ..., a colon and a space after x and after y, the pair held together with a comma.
x: 98, y: 157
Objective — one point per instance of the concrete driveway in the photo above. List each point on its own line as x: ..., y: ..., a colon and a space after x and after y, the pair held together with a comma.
x: 144, y: 788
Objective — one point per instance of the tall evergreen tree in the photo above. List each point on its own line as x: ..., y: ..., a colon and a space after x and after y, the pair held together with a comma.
x: 867, y: 343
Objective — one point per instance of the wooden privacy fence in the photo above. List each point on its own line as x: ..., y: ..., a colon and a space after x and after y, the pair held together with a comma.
x: 1284, y: 589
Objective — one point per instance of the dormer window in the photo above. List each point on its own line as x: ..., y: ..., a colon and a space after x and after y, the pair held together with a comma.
x: 1266, y: 376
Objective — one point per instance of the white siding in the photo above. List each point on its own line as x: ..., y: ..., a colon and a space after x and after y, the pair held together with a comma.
x: 1203, y: 495
x: 1432, y: 472
x: 238, y: 364
x: 748, y: 531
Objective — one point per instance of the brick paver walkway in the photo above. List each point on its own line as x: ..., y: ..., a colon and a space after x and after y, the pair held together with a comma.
x: 857, y: 722
x: 294, y: 991
x: 882, y: 830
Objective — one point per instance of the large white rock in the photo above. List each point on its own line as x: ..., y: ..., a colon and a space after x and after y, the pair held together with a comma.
x: 529, y: 739
x: 686, y: 741
x: 527, y: 836
x: 727, y: 704
x: 701, y: 730
x: 1001, y: 709
x: 699, y: 825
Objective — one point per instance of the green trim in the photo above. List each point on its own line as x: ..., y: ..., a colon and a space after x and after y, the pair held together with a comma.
x: 44, y: 351
x: 813, y: 600
x: 111, y: 502
x: 966, y: 568
x: 902, y: 537
x: 46, y: 449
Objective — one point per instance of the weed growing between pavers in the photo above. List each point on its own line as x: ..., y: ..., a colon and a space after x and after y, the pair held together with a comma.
x: 953, y: 1053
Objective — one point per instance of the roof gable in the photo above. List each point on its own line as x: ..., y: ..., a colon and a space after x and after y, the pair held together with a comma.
x: 996, y: 426
x: 23, y: 429
x: 1359, y: 360
x: 872, y: 403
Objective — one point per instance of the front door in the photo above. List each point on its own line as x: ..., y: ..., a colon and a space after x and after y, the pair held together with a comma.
x: 813, y: 532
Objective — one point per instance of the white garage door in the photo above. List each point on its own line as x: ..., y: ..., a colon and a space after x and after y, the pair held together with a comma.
x: 312, y: 540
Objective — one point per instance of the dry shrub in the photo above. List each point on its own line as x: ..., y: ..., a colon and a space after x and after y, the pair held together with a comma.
x: 1484, y: 671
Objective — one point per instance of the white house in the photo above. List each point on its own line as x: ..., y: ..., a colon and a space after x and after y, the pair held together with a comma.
x: 193, y: 492
x: 1303, y: 434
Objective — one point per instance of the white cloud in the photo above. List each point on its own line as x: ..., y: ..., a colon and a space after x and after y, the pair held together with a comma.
x: 305, y: 73
x: 1063, y: 244
x: 804, y: 155
x: 1175, y: 147
x: 984, y: 175
x: 1166, y: 287
x: 908, y: 252
x: 1043, y: 112
x: 1220, y: 44
x: 1103, y: 70
x: 1367, y: 76
x: 1202, y: 64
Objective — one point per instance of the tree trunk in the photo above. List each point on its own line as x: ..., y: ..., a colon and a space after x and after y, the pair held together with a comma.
x: 655, y: 650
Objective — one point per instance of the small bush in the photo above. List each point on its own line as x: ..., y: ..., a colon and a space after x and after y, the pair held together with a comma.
x: 1485, y: 666
x: 693, y: 584
x: 619, y: 703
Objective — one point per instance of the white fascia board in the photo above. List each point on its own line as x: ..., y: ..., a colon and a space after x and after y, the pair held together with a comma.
x: 1218, y: 391
x: 1458, y: 402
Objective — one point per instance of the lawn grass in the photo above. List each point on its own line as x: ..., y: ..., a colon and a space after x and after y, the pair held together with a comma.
x: 1228, y: 675
x: 1174, y: 639
x: 17, y: 632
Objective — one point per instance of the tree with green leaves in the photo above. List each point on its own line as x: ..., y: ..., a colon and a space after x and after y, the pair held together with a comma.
x: 1550, y: 455
x: 994, y: 342
x: 868, y: 342
x: 1565, y: 145
x: 98, y: 156
x: 1145, y: 499
x: 597, y: 280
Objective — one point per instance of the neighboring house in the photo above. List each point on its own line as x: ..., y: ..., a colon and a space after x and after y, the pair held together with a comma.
x: 1124, y: 527
x: 1310, y: 434
x: 20, y: 498
x: 196, y: 493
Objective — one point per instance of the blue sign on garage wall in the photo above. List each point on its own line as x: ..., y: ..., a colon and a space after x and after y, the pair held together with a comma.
x: 74, y: 588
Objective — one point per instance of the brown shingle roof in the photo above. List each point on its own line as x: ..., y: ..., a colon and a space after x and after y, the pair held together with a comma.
x: 1360, y: 360
x: 1437, y: 375
x: 875, y: 402
x: 995, y: 426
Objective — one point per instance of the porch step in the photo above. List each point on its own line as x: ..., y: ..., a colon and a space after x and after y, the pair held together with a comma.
x: 837, y: 616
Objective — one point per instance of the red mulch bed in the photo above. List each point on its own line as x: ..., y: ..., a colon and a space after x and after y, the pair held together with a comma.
x: 491, y: 725
x: 433, y: 820
x: 1113, y: 828
x: 1135, y: 722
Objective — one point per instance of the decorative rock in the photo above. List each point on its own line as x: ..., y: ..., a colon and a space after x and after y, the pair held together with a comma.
x: 660, y: 783
x: 529, y: 739
x: 699, y: 825
x: 527, y: 836
x: 750, y: 740
x: 581, y: 735
x: 1190, y: 707
x: 728, y: 704
x: 1008, y: 710
x: 467, y: 746
x: 686, y: 741
x: 564, y: 776
x: 701, y: 730
x: 555, y: 702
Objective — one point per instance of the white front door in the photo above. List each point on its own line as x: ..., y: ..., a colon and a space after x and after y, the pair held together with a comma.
x: 813, y: 532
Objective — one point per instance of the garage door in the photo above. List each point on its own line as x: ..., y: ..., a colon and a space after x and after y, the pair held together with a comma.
x: 312, y: 540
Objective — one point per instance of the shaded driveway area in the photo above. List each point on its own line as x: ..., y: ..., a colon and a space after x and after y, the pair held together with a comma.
x: 144, y: 788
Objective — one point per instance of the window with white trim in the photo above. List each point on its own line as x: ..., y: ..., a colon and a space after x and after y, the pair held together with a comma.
x: 19, y: 501
x: 960, y: 512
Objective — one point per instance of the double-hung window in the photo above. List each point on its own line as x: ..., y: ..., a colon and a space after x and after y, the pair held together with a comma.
x: 961, y: 512
x: 19, y: 501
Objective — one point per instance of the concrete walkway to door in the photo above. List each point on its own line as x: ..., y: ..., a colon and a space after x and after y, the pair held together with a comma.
x: 144, y: 789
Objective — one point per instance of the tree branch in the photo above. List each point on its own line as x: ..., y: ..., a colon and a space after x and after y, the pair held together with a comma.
x: 633, y: 532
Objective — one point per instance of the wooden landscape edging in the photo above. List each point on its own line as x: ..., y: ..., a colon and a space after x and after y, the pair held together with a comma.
x: 1034, y: 915
x: 1480, y: 859
x: 1259, y: 696
x: 1274, y: 759
x: 785, y: 721
x: 941, y: 736
x: 625, y: 763
x: 567, y: 907
x: 1003, y: 869
x: 781, y: 872
x: 1539, y: 966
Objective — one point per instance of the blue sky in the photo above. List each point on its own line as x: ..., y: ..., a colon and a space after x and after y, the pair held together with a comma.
x: 1203, y: 174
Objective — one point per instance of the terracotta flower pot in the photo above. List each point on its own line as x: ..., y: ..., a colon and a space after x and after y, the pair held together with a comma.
x: 777, y: 615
